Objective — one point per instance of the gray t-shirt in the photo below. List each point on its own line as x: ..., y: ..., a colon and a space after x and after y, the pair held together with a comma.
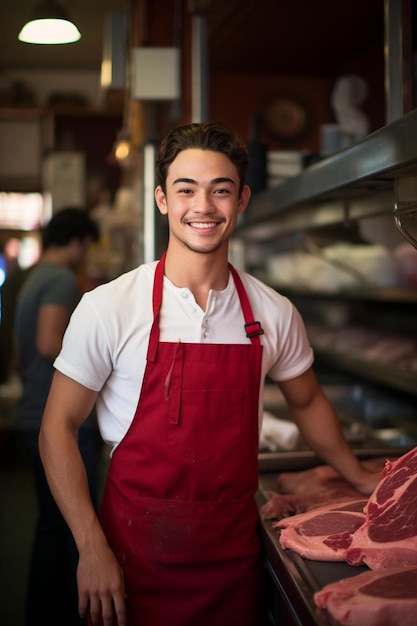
x: 47, y: 284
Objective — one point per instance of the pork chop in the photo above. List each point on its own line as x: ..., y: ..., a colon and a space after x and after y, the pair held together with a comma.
x: 323, y: 534
x: 321, y: 477
x: 306, y: 490
x: 384, y: 598
x: 388, y: 537
x: 281, y: 505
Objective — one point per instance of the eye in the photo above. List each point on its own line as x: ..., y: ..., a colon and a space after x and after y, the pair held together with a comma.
x: 222, y: 191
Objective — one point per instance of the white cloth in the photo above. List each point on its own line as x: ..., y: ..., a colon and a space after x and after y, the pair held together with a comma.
x: 105, y: 344
x: 278, y: 434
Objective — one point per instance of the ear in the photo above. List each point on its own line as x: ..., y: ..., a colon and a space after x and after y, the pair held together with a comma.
x: 244, y: 198
x: 161, y: 201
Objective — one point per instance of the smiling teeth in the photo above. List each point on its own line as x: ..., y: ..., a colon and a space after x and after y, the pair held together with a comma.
x: 203, y: 224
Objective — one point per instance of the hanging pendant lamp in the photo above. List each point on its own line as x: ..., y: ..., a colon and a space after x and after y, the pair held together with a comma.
x: 49, y: 24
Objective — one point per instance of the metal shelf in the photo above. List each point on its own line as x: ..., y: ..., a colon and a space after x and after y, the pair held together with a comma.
x: 387, y: 375
x: 392, y: 295
x: 354, y: 183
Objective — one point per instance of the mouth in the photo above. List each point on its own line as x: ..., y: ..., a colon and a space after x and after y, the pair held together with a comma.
x: 203, y: 226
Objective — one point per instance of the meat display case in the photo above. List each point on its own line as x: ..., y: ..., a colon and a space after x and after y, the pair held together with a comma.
x: 361, y: 182
x: 375, y: 423
x: 290, y: 580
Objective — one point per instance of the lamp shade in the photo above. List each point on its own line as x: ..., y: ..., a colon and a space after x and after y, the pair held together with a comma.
x: 49, y: 24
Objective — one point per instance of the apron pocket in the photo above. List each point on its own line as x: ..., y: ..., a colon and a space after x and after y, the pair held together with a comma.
x: 209, y: 425
x: 174, y: 531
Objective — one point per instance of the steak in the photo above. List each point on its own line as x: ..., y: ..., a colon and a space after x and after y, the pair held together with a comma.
x: 280, y: 505
x: 323, y: 534
x: 309, y: 489
x: 321, y: 478
x: 388, y: 537
x: 377, y: 598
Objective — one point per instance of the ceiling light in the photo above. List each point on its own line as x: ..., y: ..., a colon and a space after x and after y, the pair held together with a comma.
x: 50, y: 24
x: 122, y: 146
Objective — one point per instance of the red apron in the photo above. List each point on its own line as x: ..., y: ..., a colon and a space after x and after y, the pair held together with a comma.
x: 178, y: 508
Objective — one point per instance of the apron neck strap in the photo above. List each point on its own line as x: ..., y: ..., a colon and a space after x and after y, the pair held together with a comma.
x: 158, y: 284
x: 252, y: 328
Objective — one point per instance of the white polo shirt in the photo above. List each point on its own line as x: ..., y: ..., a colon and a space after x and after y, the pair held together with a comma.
x: 105, y: 344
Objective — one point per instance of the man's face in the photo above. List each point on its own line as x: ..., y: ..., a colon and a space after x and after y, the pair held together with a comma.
x: 78, y: 251
x: 202, y: 199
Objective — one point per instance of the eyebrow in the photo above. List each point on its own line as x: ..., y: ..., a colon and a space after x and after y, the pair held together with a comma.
x: 215, y: 181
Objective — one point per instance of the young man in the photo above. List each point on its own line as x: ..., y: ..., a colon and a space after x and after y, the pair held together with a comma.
x: 45, y: 303
x: 192, y: 339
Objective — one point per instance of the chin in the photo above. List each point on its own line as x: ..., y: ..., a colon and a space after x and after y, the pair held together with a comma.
x: 204, y: 249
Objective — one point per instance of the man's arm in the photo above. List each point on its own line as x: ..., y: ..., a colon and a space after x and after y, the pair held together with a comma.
x: 52, y: 322
x: 100, y: 579
x: 322, y: 430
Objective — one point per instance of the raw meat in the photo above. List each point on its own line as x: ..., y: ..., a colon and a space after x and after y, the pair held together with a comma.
x: 321, y: 477
x: 280, y: 505
x: 388, y: 538
x: 391, y: 349
x: 384, y: 598
x: 323, y: 534
x: 306, y: 490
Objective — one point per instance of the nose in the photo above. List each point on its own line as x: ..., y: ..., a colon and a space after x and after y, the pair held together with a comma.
x: 204, y: 202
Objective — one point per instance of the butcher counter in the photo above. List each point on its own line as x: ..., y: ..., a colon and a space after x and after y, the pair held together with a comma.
x: 290, y: 580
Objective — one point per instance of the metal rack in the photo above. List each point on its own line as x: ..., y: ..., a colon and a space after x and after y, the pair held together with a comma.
x: 352, y: 184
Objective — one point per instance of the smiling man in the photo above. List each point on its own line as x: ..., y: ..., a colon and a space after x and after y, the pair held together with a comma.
x: 204, y: 205
x: 175, y: 353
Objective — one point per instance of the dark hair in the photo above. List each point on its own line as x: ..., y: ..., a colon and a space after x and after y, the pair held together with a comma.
x: 215, y: 136
x: 68, y: 224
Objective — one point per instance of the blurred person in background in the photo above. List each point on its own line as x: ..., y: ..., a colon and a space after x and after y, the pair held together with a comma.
x: 46, y: 301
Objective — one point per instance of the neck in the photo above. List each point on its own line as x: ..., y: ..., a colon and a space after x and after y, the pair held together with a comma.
x: 56, y: 255
x: 198, y: 272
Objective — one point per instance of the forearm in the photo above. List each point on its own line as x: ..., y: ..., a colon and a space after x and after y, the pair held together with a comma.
x: 322, y: 430
x: 67, y: 479
x: 323, y: 433
x: 68, y: 406
x: 99, y: 576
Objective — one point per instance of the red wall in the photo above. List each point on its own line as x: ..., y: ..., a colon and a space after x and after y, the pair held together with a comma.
x: 234, y: 98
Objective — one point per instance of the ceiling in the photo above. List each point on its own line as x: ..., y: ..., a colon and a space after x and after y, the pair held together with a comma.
x: 263, y: 36
x: 291, y: 36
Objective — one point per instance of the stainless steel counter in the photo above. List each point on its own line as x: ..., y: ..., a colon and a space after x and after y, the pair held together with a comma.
x: 292, y: 579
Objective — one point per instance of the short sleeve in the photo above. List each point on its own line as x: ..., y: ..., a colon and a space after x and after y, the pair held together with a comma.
x: 85, y: 356
x: 295, y: 354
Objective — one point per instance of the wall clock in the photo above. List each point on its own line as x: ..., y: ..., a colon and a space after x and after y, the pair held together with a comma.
x: 285, y: 118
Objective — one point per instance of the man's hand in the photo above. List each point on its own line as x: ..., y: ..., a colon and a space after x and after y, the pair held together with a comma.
x: 101, y: 588
x: 367, y: 481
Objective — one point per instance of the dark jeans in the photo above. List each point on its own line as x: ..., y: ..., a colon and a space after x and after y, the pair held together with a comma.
x: 52, y: 589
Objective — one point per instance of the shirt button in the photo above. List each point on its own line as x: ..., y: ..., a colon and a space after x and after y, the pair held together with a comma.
x: 184, y: 295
